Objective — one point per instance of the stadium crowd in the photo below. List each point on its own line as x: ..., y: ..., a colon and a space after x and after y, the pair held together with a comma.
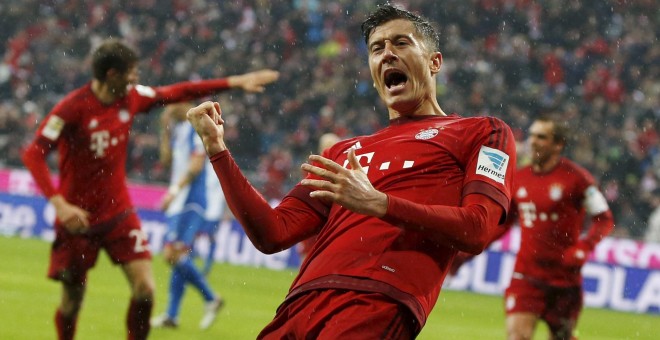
x: 597, y: 63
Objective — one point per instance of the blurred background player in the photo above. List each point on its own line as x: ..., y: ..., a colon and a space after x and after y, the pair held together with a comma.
x: 186, y: 203
x: 90, y: 129
x: 551, y: 197
x: 193, y: 204
x: 325, y: 141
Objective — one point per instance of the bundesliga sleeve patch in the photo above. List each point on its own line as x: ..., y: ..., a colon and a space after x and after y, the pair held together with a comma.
x: 53, y: 128
x: 492, y: 163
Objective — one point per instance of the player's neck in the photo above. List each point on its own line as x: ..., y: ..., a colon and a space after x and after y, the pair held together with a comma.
x: 548, y: 165
x: 428, y: 108
x: 102, y: 92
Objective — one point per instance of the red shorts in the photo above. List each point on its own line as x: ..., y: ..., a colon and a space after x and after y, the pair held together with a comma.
x: 557, y: 306
x: 72, y: 256
x: 341, y: 314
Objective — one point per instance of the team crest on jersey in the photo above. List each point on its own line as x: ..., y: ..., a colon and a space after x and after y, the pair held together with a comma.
x: 492, y: 163
x: 556, y: 192
x: 521, y: 193
x: 124, y: 116
x: 53, y: 128
x: 427, y: 134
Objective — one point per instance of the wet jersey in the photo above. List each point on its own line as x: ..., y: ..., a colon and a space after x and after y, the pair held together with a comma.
x: 431, y: 160
x: 92, y: 140
x: 551, y: 211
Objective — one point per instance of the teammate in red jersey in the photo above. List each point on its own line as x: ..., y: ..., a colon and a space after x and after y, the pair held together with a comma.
x: 90, y: 130
x: 551, y: 198
x: 391, y: 209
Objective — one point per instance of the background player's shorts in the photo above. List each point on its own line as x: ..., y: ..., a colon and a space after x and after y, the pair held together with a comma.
x: 558, y: 306
x: 341, y: 314
x: 73, y: 255
x: 184, y: 227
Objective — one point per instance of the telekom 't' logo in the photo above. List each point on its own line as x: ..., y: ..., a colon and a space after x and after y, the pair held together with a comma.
x: 100, y: 142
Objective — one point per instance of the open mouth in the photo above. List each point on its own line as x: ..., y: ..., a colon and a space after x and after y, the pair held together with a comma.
x: 394, y: 78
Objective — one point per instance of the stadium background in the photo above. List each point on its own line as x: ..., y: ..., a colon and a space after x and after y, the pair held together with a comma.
x: 595, y: 62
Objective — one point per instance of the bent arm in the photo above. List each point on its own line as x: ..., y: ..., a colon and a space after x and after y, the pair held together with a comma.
x: 469, y: 228
x: 270, y: 229
x: 34, y: 157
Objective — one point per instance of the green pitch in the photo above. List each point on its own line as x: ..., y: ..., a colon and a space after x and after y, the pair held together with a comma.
x: 28, y: 300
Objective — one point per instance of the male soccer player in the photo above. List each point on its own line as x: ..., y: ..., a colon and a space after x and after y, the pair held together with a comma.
x: 391, y: 209
x: 193, y: 201
x: 90, y: 129
x: 551, y: 197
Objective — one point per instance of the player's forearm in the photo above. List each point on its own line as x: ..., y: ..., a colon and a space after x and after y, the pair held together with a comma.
x: 469, y: 228
x: 34, y: 159
x: 270, y: 230
x: 190, y: 90
x: 601, y: 226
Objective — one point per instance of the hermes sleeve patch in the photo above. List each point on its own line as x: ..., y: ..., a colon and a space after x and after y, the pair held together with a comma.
x: 492, y: 163
x: 53, y: 128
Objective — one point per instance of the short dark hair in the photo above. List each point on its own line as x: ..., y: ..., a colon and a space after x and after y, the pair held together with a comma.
x: 560, y: 129
x: 112, y: 54
x: 386, y: 12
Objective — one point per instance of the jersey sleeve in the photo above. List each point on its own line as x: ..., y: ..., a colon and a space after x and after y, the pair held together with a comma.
x: 270, y: 229
x: 148, y: 97
x: 491, y: 163
x: 46, y: 138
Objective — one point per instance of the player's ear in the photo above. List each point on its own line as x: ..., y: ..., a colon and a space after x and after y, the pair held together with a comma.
x: 435, y: 62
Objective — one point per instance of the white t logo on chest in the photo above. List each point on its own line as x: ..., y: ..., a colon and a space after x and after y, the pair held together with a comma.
x: 100, y: 142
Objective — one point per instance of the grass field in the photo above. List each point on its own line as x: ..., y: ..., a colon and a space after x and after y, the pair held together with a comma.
x: 28, y: 300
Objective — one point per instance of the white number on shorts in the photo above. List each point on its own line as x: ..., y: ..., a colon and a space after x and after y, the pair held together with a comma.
x: 140, y: 241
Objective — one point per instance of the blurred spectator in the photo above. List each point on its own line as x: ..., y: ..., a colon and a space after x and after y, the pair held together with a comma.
x: 513, y: 59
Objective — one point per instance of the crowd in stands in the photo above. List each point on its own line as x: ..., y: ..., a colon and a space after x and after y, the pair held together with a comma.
x: 597, y: 63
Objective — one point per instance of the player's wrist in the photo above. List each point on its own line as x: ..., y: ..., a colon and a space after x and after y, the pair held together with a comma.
x: 173, y: 190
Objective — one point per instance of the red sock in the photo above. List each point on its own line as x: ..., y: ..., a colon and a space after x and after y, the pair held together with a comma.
x: 137, y: 319
x: 66, y: 327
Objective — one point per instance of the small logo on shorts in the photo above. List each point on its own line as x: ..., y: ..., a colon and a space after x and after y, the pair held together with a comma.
x: 388, y: 268
x: 510, y: 302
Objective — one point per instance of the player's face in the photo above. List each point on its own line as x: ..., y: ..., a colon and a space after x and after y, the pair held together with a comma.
x: 401, y: 66
x: 119, y: 83
x: 542, y: 142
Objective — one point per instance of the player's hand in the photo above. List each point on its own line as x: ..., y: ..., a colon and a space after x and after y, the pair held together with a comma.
x: 349, y: 188
x: 254, y: 81
x: 206, y: 119
x: 74, y: 219
x: 577, y: 255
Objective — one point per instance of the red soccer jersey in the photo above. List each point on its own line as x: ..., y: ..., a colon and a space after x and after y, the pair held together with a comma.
x: 432, y: 160
x: 551, y: 216
x: 92, y: 140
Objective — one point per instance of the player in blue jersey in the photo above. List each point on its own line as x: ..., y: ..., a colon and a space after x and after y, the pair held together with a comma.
x: 185, y: 204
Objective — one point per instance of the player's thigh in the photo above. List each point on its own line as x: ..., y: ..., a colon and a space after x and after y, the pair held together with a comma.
x: 127, y: 242
x: 563, y: 310
x: 71, y: 257
x: 140, y: 277
x: 521, y: 325
x: 524, y: 304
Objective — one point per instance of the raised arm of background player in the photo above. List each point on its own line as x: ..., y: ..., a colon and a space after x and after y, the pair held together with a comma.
x: 275, y: 229
x: 74, y: 218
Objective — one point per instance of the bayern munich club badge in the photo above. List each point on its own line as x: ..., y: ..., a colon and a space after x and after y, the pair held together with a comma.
x: 427, y: 134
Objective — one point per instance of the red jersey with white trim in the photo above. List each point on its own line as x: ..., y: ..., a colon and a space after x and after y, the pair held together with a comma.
x: 92, y: 140
x: 432, y: 160
x: 551, y: 213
